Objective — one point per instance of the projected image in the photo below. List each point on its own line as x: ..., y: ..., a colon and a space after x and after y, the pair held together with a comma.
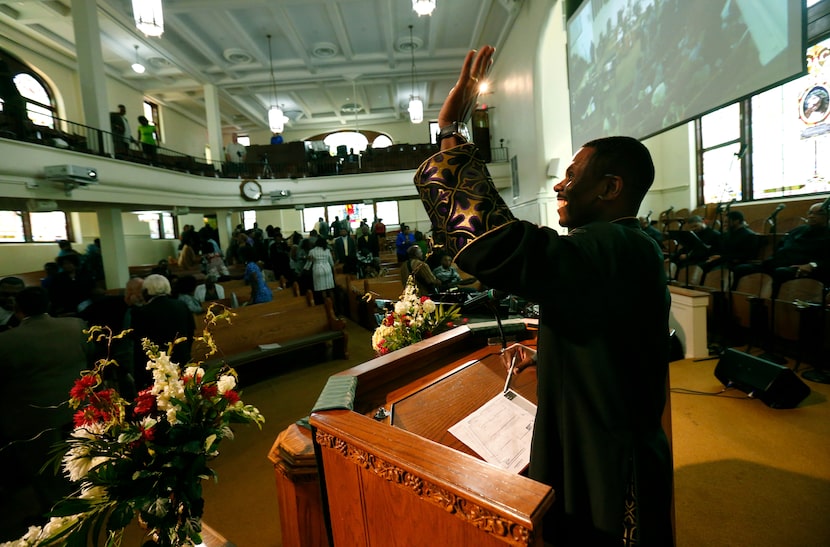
x: 637, y: 67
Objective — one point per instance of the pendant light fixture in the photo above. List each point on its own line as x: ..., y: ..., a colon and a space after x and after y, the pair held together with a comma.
x: 138, y: 68
x: 416, y: 106
x: 276, y: 117
x: 148, y: 17
x: 423, y: 7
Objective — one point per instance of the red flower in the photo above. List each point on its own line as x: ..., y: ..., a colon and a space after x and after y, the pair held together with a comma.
x: 465, y: 320
x: 231, y: 396
x: 424, y: 299
x: 145, y: 403
x: 389, y: 320
x: 450, y: 324
x: 82, y: 386
x: 209, y: 391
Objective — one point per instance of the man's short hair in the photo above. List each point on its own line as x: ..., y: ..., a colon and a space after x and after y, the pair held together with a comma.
x: 11, y: 285
x: 735, y: 215
x: 32, y: 301
x: 694, y: 219
x: 412, y: 251
x: 156, y: 284
x: 625, y: 157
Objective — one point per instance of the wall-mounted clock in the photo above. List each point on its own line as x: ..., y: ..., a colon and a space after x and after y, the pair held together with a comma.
x: 251, y: 190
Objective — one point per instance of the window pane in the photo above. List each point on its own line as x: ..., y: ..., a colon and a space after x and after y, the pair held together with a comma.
x: 722, y: 174
x: 11, y: 227
x: 248, y: 219
x: 721, y: 126
x: 30, y: 88
x: 310, y: 216
x: 49, y: 226
x: 791, y: 145
x: 168, y: 227
x: 40, y: 115
x: 388, y: 211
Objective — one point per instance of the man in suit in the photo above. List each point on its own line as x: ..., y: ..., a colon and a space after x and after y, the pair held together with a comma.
x: 41, y: 359
x: 345, y: 249
x: 162, y: 319
x: 121, y: 134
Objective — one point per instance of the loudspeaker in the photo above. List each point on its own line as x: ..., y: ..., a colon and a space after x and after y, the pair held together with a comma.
x: 776, y: 385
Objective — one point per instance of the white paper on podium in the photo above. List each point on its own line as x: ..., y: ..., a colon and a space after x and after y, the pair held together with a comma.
x: 500, y: 431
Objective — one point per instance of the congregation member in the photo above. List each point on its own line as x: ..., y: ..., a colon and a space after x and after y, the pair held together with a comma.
x: 415, y: 266
x: 147, y: 138
x: 803, y: 252
x: 260, y: 291
x: 185, y: 293
x: 72, y: 288
x: 235, y: 154
x: 120, y: 127
x: 603, y: 344
x: 699, y: 252
x: 162, y: 319
x: 321, y: 264
x: 739, y: 243
x: 209, y: 290
x: 403, y: 241
x: 449, y: 277
x: 41, y: 358
x: 9, y: 287
x: 345, y: 249
x: 648, y: 227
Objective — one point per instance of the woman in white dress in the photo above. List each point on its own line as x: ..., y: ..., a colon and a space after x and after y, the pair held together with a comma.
x: 321, y: 264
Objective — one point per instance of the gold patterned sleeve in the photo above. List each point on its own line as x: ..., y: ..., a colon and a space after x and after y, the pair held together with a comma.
x: 460, y: 198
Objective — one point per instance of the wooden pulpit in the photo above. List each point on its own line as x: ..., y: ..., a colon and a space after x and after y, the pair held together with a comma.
x: 398, y: 477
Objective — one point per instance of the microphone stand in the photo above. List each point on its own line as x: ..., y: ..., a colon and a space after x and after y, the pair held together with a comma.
x: 770, y: 354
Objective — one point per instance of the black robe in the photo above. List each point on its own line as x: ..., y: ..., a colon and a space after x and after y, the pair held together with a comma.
x: 602, y: 352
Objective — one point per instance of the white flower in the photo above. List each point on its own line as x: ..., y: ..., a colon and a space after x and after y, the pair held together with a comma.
x: 171, y: 415
x: 195, y: 372
x: 401, y: 307
x: 56, y: 525
x: 429, y: 306
x: 94, y: 493
x: 225, y: 383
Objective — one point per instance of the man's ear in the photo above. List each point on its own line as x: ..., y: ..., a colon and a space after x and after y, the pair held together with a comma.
x: 612, y: 188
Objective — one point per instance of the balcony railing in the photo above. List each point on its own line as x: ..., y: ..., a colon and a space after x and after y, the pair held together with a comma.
x: 288, y: 160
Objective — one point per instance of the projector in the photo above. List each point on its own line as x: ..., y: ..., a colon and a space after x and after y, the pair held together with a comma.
x: 71, y: 173
x: 280, y: 194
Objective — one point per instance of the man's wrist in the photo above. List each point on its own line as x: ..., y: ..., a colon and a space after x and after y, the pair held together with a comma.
x: 454, y: 130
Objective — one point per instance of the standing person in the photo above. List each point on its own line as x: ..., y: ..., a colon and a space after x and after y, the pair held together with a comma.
x: 148, y: 138
x: 403, y: 242
x: 322, y: 270
x: 346, y: 250
x: 121, y: 133
x: 603, y: 344
x: 235, y: 154
x: 162, y: 319
x: 41, y: 359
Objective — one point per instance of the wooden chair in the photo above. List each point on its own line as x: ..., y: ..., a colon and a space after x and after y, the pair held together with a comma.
x: 750, y: 299
x: 689, y: 276
x: 799, y: 317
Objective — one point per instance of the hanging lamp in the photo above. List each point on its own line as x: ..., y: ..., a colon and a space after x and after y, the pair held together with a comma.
x: 416, y: 106
x: 423, y: 7
x: 137, y: 67
x: 149, y: 18
x: 276, y: 117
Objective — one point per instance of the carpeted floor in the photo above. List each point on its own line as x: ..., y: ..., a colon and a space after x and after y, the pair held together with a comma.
x: 745, y: 474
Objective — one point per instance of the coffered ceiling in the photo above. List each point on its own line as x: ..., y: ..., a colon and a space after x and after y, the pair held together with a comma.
x: 330, y: 57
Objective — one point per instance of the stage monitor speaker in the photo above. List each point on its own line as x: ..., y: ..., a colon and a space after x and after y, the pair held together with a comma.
x: 776, y: 385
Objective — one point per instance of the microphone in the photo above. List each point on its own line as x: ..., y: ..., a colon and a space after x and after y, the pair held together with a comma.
x: 665, y: 214
x: 778, y: 209
x: 490, y: 295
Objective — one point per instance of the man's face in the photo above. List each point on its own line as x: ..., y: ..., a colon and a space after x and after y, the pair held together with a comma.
x: 696, y: 226
x: 577, y: 193
x: 122, y: 110
x: 446, y: 261
x: 816, y: 216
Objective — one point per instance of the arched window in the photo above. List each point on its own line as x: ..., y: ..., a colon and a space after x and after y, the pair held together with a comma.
x: 39, y: 98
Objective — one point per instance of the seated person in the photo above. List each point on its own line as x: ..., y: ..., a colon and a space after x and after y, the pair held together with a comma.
x: 699, y: 254
x: 72, y: 288
x: 803, y: 252
x: 9, y: 287
x: 209, y: 290
x: 649, y: 227
x: 185, y: 289
x: 738, y: 244
x: 449, y: 276
x: 419, y: 270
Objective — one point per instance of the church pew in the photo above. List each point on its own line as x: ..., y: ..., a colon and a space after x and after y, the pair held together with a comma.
x: 279, y: 294
x: 267, y: 330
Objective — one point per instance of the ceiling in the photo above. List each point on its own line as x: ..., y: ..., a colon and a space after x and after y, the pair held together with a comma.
x: 328, y: 55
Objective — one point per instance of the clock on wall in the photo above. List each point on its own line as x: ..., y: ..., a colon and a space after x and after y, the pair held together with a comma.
x: 251, y: 190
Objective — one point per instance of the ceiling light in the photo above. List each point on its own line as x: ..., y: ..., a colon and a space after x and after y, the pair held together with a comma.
x: 416, y: 106
x: 276, y: 117
x: 423, y: 7
x: 137, y: 66
x: 148, y: 17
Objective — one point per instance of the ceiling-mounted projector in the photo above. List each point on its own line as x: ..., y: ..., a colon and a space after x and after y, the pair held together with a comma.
x: 82, y: 176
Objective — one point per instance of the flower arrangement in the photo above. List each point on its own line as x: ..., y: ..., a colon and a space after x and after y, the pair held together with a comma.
x: 144, y: 458
x: 413, y: 319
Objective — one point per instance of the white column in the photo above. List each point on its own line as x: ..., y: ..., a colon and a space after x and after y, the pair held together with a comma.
x: 91, y: 69
x: 113, y: 248
x: 214, y: 125
x: 224, y: 224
